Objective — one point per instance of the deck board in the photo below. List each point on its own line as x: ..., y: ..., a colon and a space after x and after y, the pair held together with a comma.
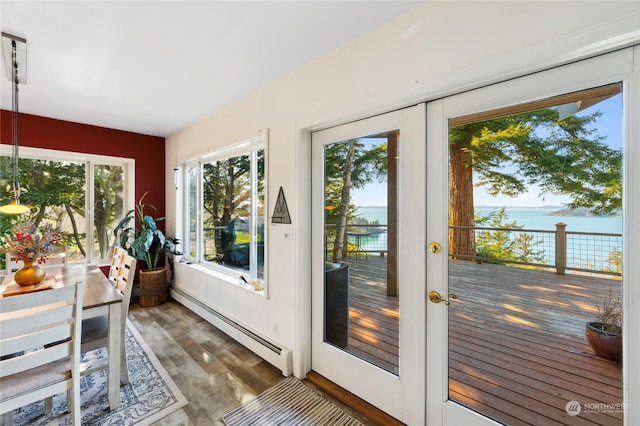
x: 516, y: 337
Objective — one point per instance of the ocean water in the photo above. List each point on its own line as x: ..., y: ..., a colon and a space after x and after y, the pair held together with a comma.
x: 538, y: 219
x: 530, y: 217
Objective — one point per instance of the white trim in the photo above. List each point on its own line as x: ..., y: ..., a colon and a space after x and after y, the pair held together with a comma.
x: 303, y: 243
x: 58, y: 155
x: 228, y: 149
x: 631, y: 242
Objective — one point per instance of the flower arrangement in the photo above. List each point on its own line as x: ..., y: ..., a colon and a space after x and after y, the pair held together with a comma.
x: 27, y: 242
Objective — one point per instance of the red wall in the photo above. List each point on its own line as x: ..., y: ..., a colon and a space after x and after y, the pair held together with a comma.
x: 147, y: 151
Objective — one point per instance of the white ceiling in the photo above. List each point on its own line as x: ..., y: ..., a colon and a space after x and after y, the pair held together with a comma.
x: 154, y: 67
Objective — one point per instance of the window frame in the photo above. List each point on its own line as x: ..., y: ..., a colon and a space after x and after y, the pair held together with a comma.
x: 90, y: 161
x: 249, y: 146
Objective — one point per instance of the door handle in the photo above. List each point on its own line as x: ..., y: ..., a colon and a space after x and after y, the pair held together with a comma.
x: 434, y: 248
x: 435, y: 297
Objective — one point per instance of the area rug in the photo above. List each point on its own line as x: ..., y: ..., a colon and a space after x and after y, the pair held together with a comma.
x: 149, y: 396
x: 289, y: 402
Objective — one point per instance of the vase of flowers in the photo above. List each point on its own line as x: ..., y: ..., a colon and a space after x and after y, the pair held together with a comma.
x: 31, y: 245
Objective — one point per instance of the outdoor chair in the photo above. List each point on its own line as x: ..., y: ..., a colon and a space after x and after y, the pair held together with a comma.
x: 40, y: 348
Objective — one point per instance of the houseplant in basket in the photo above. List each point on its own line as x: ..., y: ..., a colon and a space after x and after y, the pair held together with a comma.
x: 148, y: 244
x: 605, y: 334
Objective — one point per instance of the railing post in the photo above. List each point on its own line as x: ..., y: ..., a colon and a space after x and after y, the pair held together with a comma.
x: 561, y: 248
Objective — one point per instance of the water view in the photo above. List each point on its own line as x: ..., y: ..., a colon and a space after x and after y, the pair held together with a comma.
x: 531, y: 218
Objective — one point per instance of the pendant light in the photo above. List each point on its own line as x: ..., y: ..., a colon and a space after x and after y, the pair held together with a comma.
x: 12, y: 45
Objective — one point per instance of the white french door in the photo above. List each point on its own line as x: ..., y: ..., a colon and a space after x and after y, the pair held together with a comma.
x: 510, y: 379
x: 369, y: 273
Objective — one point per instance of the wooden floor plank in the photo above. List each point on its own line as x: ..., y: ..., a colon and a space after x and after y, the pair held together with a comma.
x: 518, y: 350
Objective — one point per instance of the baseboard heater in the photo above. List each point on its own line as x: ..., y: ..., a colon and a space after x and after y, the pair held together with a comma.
x: 270, y: 352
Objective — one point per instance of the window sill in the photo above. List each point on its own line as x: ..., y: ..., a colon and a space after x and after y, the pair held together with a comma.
x: 230, y: 278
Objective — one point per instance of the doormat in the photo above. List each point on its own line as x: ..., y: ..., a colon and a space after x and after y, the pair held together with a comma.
x: 289, y: 402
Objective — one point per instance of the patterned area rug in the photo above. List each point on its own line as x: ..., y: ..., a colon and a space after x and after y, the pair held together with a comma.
x: 289, y: 402
x: 149, y: 396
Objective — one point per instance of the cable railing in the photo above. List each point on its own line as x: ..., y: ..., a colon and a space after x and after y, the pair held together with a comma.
x: 360, y: 239
x: 558, y: 250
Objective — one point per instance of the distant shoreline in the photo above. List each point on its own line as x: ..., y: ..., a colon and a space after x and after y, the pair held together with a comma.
x: 547, y: 210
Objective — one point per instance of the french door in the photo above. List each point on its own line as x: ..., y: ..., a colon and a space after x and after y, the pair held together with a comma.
x: 507, y: 302
x: 368, y: 260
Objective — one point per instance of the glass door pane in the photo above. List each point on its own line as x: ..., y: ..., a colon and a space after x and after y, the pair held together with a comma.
x: 535, y: 249
x: 362, y: 310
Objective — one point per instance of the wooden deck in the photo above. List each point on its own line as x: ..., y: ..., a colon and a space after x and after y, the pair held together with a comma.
x: 374, y: 317
x: 516, y: 339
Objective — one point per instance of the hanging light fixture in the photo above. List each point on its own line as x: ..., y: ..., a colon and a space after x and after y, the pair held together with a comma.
x: 14, y: 53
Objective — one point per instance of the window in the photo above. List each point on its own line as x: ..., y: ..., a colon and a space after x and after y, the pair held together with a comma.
x: 225, y: 210
x: 84, y: 195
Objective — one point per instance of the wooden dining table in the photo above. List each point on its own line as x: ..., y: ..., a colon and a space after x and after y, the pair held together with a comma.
x: 100, y: 298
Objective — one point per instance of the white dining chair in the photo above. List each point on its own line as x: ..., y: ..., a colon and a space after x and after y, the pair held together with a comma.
x: 95, y: 331
x: 116, y: 253
x: 40, y: 348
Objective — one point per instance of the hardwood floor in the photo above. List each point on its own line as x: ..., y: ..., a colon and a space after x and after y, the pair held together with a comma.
x: 213, y: 371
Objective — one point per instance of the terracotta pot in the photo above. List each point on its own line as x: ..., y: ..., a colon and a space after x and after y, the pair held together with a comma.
x: 606, y: 344
x: 153, y: 287
x: 29, y: 274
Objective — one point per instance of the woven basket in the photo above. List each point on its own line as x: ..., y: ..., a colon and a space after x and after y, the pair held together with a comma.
x: 153, y: 287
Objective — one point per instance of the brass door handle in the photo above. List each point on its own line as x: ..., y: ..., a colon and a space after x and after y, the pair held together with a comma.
x: 435, y: 297
x: 434, y: 248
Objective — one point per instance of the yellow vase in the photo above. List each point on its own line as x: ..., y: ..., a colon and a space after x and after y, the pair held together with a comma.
x: 29, y: 274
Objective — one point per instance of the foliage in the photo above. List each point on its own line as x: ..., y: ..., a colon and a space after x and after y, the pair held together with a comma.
x: 506, y: 244
x: 228, y: 186
x: 610, y: 312
x: 560, y: 156
x: 146, y: 242
x: 347, y: 166
x: 56, y: 190
x: 508, y: 155
x: 359, y: 220
x: 30, y: 242
x: 615, y: 261
x: 108, y: 202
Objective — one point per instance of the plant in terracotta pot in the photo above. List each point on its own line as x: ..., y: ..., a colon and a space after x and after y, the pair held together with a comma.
x: 605, y: 334
x: 148, y: 244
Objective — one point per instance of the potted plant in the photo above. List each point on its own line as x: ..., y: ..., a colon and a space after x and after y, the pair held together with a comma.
x: 605, y: 334
x: 148, y: 244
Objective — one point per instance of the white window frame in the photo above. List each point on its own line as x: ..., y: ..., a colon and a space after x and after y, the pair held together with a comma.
x: 90, y: 161
x: 250, y: 146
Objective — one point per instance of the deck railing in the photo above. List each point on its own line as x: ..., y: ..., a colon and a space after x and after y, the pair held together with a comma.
x: 367, y: 238
x: 559, y: 249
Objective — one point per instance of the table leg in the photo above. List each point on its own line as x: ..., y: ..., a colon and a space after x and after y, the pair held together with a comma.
x: 115, y: 317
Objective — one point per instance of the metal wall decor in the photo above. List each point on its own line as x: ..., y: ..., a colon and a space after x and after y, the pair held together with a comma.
x: 281, y: 211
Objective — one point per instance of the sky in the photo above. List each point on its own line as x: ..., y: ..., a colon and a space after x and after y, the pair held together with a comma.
x: 609, y: 125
